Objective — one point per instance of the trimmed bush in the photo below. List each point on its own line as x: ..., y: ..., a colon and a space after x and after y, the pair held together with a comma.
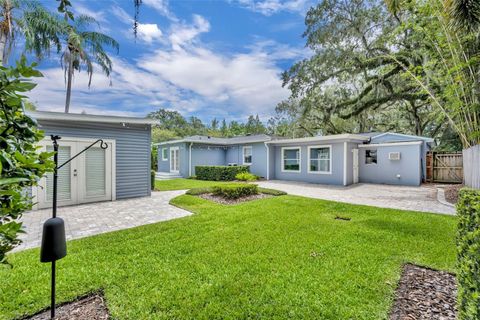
x: 272, y: 192
x: 199, y: 191
x: 219, y: 173
x: 468, y: 254
x: 246, y: 176
x: 152, y: 179
x: 235, y: 191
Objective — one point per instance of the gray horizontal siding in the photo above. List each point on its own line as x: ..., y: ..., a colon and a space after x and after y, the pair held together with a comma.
x: 133, y: 143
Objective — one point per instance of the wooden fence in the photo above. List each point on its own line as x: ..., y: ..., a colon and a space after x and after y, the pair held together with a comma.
x: 446, y: 167
x: 471, y: 164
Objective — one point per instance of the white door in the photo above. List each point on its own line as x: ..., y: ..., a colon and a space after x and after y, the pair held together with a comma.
x: 87, y: 178
x: 174, y: 160
x: 94, y: 173
x: 355, y: 165
x: 67, y: 186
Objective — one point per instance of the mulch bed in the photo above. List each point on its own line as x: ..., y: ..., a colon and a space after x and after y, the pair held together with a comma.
x: 451, y: 192
x: 425, y: 294
x: 90, y: 307
x: 221, y: 200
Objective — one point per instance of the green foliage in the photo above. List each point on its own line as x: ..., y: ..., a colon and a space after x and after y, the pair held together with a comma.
x: 235, y: 191
x: 21, y: 165
x: 199, y: 191
x: 272, y: 192
x: 246, y: 176
x: 154, y: 157
x: 152, y: 179
x: 468, y: 254
x: 219, y: 173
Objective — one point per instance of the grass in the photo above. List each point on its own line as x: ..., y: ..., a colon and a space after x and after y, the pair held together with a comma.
x: 275, y: 258
x: 183, y: 184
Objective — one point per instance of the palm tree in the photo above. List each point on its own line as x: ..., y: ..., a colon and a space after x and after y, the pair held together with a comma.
x: 83, y: 49
x: 40, y: 29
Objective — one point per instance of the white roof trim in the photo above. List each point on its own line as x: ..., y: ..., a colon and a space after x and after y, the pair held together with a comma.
x: 60, y: 116
x: 321, y: 138
x: 226, y: 143
x: 390, y: 144
x: 403, y: 135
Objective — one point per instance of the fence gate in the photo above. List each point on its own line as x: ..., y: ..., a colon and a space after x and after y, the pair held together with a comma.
x: 445, y: 167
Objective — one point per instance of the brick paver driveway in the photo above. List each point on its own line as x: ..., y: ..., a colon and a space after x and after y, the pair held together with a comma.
x: 423, y: 198
x: 94, y: 218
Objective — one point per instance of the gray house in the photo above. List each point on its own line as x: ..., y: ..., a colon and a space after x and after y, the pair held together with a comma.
x: 120, y: 171
x: 344, y: 159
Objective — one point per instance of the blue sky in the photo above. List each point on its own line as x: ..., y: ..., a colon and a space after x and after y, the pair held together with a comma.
x: 210, y: 59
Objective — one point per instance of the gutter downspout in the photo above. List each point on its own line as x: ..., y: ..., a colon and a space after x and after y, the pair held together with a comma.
x: 190, y: 160
x: 268, y: 160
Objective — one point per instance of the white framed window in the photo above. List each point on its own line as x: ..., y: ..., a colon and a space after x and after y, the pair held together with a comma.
x: 291, y: 159
x: 164, y: 154
x: 320, y: 159
x: 371, y: 156
x: 247, y: 155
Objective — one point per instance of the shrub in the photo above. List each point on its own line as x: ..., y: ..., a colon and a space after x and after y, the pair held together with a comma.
x: 219, y: 173
x: 152, y: 179
x: 246, y: 176
x: 199, y: 191
x: 235, y: 191
x: 468, y: 254
x: 272, y: 192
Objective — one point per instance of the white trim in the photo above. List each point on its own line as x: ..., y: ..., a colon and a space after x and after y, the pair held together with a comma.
x: 345, y: 163
x: 299, y: 148
x: 268, y: 161
x: 403, y: 135
x: 190, y: 160
x: 61, y: 116
x: 243, y: 155
x: 373, y: 145
x: 114, y: 169
x: 329, y: 146
x: 163, y: 154
x: 321, y: 138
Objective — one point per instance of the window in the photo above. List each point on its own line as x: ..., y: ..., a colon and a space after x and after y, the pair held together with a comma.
x: 247, y: 155
x: 370, y: 156
x: 319, y: 159
x: 291, y: 159
x: 164, y: 154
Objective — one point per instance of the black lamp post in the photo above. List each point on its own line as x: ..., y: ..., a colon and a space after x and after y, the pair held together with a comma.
x: 54, y: 245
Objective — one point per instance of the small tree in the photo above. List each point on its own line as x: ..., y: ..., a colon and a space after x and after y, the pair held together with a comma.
x: 21, y: 165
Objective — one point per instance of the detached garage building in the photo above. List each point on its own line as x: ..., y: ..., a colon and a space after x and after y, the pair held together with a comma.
x: 118, y: 172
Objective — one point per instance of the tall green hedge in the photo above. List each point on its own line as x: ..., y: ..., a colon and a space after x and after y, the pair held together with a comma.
x: 219, y: 173
x: 468, y: 254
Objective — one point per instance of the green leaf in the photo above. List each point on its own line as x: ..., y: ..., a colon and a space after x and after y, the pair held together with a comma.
x: 5, y: 181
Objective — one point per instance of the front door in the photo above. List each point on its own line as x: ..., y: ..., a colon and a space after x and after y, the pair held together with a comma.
x: 174, y: 160
x: 87, y: 178
x: 355, y: 165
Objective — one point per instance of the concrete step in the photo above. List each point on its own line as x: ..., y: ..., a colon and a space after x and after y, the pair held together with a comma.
x: 167, y: 176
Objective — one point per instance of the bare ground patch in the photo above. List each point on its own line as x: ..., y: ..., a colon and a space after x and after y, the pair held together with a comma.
x: 425, y: 294
x: 90, y: 307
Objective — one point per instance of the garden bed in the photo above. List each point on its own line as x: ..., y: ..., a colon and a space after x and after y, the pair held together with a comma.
x: 425, y: 294
x: 90, y: 307
x: 222, y: 200
x: 451, y: 192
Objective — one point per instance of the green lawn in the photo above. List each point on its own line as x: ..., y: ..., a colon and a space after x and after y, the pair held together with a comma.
x: 183, y: 184
x: 278, y: 258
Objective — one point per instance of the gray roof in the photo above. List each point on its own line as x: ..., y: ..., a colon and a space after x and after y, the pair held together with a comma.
x: 222, y: 141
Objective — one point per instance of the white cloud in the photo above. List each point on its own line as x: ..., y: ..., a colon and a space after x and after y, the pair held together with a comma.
x: 184, y: 34
x: 83, y: 10
x: 161, y: 6
x: 269, y: 7
x: 149, y: 32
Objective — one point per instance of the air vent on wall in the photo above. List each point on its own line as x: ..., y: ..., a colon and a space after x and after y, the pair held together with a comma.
x: 394, y: 156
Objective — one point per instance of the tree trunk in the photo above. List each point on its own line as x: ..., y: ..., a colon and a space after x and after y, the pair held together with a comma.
x: 3, y: 46
x: 69, y: 84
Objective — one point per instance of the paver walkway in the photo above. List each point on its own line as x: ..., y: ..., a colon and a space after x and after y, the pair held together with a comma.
x: 423, y: 198
x: 94, y: 218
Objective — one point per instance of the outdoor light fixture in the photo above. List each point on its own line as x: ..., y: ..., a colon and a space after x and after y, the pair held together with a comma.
x: 54, y: 244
